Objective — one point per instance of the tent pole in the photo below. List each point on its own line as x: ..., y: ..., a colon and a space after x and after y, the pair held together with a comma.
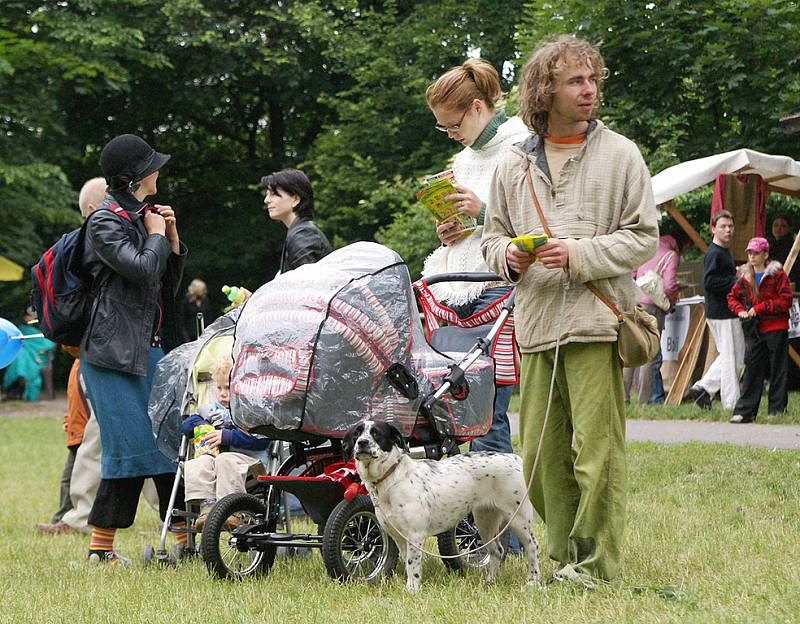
x: 673, y: 211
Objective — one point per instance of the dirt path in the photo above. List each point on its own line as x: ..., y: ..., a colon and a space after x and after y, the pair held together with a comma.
x: 27, y: 409
x: 664, y: 431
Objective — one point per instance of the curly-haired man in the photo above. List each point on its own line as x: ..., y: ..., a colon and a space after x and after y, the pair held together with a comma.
x: 594, y: 190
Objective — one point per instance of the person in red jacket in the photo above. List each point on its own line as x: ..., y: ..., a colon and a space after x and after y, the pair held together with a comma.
x: 762, y: 291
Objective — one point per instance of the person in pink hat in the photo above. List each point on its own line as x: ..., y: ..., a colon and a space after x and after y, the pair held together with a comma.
x: 762, y: 292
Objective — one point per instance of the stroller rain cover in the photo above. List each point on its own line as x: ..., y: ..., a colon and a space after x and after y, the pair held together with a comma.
x: 313, y: 345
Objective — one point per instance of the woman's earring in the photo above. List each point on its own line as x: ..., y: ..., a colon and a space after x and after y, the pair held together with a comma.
x: 133, y: 186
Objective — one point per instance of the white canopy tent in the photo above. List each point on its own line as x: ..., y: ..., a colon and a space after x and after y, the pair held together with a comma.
x: 781, y: 173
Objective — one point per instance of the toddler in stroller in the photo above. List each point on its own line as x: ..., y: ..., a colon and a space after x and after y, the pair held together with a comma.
x: 224, y: 456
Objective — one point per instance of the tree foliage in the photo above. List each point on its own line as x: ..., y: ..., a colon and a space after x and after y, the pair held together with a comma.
x: 688, y: 77
x: 235, y: 89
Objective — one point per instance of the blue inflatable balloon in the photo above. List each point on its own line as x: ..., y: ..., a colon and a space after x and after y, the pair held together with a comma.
x: 8, y: 347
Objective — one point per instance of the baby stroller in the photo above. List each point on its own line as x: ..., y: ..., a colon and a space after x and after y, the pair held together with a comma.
x: 182, y: 384
x: 317, y: 350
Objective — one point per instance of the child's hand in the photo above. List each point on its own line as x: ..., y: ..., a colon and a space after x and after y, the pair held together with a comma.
x: 213, y: 439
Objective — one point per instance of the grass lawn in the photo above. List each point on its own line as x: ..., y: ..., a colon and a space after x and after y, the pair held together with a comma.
x: 713, y: 536
x: 692, y: 412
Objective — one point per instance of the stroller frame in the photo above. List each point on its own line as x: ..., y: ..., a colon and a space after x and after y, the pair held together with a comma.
x: 190, y: 512
x: 353, y: 544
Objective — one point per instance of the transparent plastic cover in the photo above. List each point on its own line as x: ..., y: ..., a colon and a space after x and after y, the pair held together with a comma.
x: 313, y: 345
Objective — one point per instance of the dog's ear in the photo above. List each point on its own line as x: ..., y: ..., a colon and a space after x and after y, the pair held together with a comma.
x: 397, y: 438
x: 349, y: 441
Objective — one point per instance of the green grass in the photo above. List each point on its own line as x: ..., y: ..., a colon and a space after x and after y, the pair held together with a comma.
x: 712, y: 537
x: 692, y: 412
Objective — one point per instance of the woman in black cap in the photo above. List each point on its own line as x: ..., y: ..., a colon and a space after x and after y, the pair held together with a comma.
x: 135, y: 258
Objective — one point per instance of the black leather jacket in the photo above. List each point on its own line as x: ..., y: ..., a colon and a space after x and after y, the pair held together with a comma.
x: 305, y: 243
x: 128, y: 269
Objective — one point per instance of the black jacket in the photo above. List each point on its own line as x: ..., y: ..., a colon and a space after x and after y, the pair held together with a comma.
x: 131, y: 274
x: 305, y: 243
x: 187, y: 317
x: 719, y: 275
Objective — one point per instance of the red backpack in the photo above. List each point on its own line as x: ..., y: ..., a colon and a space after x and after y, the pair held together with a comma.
x: 62, y: 291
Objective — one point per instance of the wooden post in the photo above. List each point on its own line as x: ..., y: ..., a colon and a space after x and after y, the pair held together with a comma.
x: 672, y: 209
x: 790, y: 259
x: 688, y: 357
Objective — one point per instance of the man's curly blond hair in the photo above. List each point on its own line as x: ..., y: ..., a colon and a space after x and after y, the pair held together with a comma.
x: 539, y: 76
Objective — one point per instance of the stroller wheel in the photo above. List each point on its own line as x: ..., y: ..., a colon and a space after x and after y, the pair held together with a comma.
x: 354, y: 546
x: 464, y: 537
x: 227, y: 526
x: 148, y: 553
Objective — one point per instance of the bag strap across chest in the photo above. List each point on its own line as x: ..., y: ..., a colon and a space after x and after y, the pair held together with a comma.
x: 549, y: 233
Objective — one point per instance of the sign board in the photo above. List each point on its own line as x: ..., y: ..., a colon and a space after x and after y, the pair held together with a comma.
x: 794, y: 319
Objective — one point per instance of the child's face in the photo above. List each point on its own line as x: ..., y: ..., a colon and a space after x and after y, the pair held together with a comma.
x: 757, y: 258
x: 223, y: 393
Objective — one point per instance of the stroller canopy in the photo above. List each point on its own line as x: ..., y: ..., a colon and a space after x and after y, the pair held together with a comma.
x: 176, y: 389
x: 313, y: 345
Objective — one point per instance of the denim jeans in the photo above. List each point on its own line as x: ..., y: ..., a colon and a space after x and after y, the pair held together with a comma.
x: 658, y: 395
x: 498, y: 438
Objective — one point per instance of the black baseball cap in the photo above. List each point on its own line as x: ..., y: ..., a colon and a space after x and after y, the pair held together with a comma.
x: 129, y: 157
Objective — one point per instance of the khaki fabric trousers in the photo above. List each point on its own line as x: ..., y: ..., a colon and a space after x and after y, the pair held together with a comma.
x: 580, y: 484
x: 211, y: 477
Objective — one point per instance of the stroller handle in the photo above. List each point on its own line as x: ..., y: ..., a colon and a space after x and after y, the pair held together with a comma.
x: 462, y: 277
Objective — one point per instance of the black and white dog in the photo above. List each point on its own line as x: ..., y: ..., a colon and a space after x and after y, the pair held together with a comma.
x: 415, y: 499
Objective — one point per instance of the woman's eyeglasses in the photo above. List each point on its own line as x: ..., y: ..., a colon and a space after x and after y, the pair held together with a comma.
x: 455, y: 126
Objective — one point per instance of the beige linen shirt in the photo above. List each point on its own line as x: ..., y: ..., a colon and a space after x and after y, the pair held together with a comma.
x: 604, y: 209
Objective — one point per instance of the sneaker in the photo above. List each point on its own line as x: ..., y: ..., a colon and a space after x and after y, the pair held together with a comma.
x: 109, y: 557
x: 58, y: 528
x: 739, y: 419
x: 200, y: 522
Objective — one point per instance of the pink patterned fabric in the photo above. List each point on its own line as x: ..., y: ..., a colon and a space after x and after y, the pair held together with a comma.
x: 504, y: 352
x: 665, y: 263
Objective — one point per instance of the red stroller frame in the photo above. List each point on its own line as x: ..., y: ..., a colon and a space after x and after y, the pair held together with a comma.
x: 240, y: 536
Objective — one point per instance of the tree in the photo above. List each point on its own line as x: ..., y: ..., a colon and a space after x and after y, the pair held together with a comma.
x: 383, y: 140
x: 46, y: 49
x: 690, y: 77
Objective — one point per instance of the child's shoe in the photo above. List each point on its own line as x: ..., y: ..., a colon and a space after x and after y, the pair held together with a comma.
x: 109, y: 557
x: 205, y: 507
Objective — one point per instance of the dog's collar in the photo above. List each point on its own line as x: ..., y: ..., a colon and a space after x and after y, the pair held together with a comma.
x: 389, y: 472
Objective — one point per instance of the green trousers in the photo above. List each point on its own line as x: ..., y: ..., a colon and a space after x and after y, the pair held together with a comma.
x: 579, y: 488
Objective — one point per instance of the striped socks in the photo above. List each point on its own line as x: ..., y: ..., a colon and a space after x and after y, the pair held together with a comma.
x: 102, y: 539
x: 179, y: 528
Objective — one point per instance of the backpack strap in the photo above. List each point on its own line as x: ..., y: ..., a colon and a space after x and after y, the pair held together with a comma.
x: 119, y: 211
x: 76, y: 262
